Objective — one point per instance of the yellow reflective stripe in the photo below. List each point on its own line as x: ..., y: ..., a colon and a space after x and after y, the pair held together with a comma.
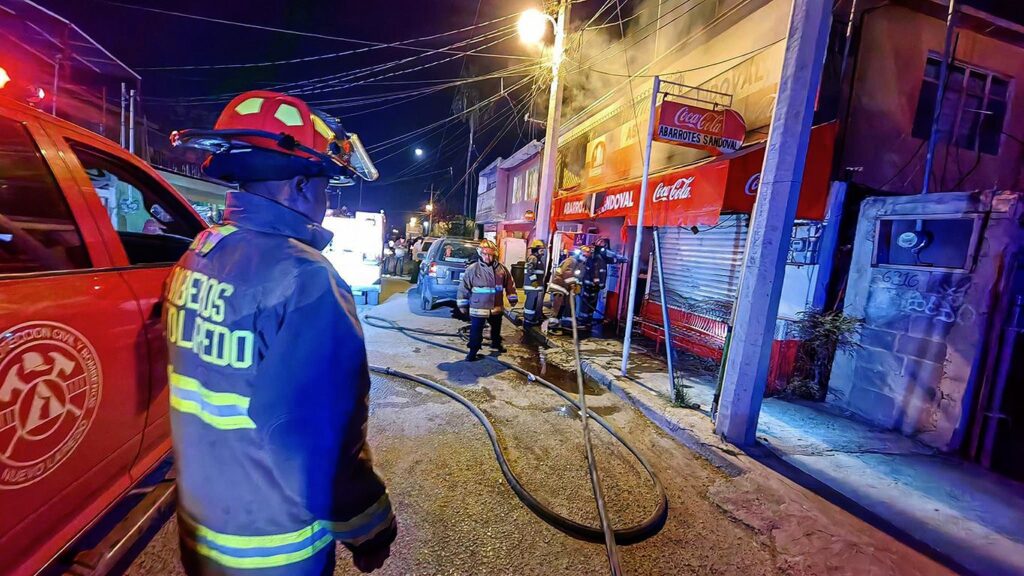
x: 219, y: 398
x: 240, y: 404
x: 236, y: 541
x: 364, y: 516
x: 262, y: 561
x: 219, y: 422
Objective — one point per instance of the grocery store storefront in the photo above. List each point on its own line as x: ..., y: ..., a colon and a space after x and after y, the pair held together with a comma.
x: 701, y: 214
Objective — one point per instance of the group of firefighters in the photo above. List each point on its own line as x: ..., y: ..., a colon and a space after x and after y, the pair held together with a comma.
x: 272, y: 461
x: 487, y: 282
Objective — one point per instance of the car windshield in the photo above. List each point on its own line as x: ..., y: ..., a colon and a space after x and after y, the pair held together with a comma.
x: 461, y: 252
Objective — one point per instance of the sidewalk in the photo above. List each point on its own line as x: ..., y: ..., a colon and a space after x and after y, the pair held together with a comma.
x: 956, y: 512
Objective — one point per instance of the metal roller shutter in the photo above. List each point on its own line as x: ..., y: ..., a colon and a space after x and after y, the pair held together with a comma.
x: 702, y: 271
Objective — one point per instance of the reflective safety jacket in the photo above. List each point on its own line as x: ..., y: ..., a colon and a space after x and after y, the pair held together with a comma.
x: 268, y: 393
x: 567, y: 275
x: 535, y: 269
x: 484, y: 288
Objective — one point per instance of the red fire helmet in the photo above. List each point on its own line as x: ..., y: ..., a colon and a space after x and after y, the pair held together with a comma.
x: 263, y: 135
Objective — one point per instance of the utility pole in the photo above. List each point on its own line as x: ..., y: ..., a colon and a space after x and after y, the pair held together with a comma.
x: 56, y: 82
x: 940, y: 95
x: 131, y: 120
x: 469, y: 155
x: 547, y: 171
x: 430, y: 210
x: 746, y: 370
x: 124, y: 102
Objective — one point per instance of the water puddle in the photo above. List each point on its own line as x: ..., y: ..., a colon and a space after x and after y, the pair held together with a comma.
x: 563, y: 379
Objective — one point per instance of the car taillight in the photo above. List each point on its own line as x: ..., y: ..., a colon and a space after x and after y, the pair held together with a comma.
x: 432, y: 271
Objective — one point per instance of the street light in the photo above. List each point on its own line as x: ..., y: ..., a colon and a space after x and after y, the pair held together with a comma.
x: 533, y: 24
x: 418, y: 152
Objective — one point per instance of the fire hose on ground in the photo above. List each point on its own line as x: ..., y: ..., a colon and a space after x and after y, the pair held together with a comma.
x: 598, y: 534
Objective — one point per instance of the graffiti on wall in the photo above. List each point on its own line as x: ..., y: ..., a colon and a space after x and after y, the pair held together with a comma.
x: 940, y: 299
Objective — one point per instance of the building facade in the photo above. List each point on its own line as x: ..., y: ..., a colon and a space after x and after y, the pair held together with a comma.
x: 935, y: 276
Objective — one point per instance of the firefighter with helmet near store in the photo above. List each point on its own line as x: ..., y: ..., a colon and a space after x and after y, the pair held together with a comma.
x: 536, y: 268
x: 565, y: 283
x: 270, y: 439
x: 485, y: 285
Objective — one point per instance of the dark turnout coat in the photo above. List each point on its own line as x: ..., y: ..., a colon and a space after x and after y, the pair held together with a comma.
x: 268, y: 394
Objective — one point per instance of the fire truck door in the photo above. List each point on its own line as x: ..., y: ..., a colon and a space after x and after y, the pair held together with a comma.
x: 73, y: 390
x: 150, y: 227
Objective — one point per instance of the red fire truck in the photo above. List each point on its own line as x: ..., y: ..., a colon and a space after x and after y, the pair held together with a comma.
x: 88, y: 233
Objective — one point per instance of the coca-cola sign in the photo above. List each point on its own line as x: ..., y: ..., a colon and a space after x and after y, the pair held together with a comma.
x: 717, y: 131
x: 679, y: 189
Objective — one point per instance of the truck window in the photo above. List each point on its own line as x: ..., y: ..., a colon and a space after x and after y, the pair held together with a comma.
x: 37, y: 231
x: 151, y: 222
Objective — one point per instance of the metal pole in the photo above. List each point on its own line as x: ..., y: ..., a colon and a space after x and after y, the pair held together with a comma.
x: 103, y: 120
x: 665, y: 323
x: 430, y: 213
x: 547, y: 171
x: 760, y: 289
x: 469, y: 155
x: 124, y: 96
x: 849, y: 40
x: 56, y: 81
x: 131, y: 120
x: 635, y: 271
x: 939, y: 97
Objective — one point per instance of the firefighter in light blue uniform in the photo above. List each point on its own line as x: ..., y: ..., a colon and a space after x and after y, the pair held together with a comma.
x: 267, y: 366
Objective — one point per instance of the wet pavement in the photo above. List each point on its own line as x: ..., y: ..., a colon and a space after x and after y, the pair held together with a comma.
x: 457, y: 514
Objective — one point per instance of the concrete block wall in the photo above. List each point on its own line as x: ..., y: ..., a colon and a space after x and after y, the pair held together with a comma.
x: 923, y: 329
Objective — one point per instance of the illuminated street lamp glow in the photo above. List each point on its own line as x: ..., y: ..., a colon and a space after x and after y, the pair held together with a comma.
x: 430, y: 207
x: 412, y: 221
x: 418, y: 152
x: 532, y: 26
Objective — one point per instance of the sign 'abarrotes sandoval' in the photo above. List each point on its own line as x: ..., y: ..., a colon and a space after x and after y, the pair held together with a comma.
x: 684, y: 136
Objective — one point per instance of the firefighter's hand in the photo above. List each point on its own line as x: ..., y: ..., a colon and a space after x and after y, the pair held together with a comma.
x: 372, y: 555
x: 575, y: 289
x: 463, y: 313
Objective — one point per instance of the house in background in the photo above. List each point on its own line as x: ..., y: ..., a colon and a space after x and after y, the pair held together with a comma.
x: 507, y: 201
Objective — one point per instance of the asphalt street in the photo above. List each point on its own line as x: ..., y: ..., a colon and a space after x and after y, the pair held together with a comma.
x: 457, y: 514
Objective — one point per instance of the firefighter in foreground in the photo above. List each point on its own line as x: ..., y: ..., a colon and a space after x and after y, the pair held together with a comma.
x: 536, y: 267
x: 482, y: 293
x: 269, y: 430
x: 565, y: 283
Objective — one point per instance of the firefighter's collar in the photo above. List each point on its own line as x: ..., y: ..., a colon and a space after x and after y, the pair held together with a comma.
x: 255, y: 212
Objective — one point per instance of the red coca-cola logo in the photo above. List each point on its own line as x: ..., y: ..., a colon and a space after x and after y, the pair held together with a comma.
x: 700, y: 119
x: 680, y: 189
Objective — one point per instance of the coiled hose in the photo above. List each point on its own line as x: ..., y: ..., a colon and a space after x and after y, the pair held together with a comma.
x: 628, y: 535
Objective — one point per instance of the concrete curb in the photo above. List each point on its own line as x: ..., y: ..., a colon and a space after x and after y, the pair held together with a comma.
x: 659, y: 411
x: 664, y: 420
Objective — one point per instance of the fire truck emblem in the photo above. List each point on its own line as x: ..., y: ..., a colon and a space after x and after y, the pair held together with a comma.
x: 50, y: 383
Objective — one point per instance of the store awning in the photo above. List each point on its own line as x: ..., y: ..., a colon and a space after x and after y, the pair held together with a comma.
x: 697, y: 194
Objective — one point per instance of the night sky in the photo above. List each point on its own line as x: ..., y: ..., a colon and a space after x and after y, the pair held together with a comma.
x: 147, y: 39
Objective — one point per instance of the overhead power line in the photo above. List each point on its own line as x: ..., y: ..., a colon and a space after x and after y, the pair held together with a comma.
x: 332, y: 79
x: 401, y: 44
x: 293, y: 32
